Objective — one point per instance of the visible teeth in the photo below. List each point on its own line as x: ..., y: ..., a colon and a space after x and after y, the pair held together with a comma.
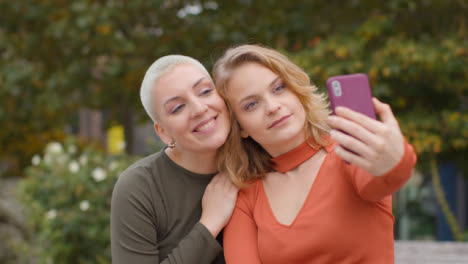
x: 205, y: 126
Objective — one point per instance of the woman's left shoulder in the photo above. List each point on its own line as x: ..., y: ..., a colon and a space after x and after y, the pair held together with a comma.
x: 249, y: 195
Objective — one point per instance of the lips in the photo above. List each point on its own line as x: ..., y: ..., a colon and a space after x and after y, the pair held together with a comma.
x: 205, y: 125
x: 279, y: 121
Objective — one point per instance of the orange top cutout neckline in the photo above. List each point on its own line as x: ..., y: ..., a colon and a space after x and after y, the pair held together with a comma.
x: 293, y: 158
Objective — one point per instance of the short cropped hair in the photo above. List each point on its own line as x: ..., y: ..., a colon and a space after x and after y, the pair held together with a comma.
x: 160, y: 67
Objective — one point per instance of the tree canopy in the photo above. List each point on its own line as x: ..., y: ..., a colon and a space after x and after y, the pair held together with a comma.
x: 58, y: 56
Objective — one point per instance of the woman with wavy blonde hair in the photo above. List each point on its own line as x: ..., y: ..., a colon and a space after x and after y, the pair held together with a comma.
x: 251, y: 161
x: 311, y: 194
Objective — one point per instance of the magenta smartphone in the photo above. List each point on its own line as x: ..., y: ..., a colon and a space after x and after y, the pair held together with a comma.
x: 352, y: 91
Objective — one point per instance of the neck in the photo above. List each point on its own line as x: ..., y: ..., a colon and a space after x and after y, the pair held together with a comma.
x: 282, y: 147
x: 293, y: 158
x: 202, y: 163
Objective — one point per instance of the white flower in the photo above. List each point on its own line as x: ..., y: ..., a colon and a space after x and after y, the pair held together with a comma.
x: 54, y: 148
x: 72, y: 149
x: 84, y: 205
x: 74, y: 167
x: 99, y: 174
x: 51, y: 214
x: 112, y: 165
x: 83, y: 160
x: 36, y: 160
x: 121, y: 145
x: 190, y: 10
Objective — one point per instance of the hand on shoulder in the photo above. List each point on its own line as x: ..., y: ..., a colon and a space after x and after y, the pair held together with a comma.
x: 218, y: 203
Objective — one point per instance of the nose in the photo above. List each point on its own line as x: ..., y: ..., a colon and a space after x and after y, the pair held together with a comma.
x: 198, y: 107
x: 272, y: 106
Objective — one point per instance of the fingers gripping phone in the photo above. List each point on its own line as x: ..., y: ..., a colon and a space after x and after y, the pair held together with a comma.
x: 352, y: 91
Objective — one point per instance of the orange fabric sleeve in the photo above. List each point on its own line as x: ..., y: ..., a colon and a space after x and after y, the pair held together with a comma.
x: 240, y: 234
x: 372, y: 188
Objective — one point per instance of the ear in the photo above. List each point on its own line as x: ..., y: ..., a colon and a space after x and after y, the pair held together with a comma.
x: 243, y: 133
x: 162, y: 133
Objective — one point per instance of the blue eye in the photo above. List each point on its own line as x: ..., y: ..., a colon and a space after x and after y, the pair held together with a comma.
x: 249, y: 106
x: 177, y: 109
x: 279, y: 88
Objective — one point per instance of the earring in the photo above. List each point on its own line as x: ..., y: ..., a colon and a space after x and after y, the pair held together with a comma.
x: 171, y: 144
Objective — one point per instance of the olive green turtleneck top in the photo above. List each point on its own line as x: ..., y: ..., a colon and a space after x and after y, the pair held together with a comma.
x: 155, y: 213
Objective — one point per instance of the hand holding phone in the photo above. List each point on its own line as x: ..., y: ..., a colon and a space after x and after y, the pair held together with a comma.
x: 352, y: 91
x: 373, y: 145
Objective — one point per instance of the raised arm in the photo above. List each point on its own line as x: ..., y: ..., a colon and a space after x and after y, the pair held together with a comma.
x: 383, y: 158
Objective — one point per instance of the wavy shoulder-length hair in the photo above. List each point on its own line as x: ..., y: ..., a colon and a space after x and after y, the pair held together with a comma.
x: 242, y: 158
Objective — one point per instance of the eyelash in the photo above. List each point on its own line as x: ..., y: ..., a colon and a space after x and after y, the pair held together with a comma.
x: 204, y: 92
x: 250, y: 105
x: 279, y: 88
x: 177, y: 109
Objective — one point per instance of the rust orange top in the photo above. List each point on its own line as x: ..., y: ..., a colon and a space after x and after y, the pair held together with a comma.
x: 346, y: 217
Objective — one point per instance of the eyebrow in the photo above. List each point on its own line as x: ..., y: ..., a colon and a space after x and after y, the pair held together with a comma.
x: 251, y: 96
x: 198, y: 82
x: 178, y: 97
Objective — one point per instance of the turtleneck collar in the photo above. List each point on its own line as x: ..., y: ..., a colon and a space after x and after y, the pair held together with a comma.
x: 293, y: 158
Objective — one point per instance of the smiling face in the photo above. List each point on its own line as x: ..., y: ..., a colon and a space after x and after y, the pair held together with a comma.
x: 266, y: 109
x: 189, y: 110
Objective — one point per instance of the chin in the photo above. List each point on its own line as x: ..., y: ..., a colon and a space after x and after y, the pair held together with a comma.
x: 219, y: 143
x: 214, y: 143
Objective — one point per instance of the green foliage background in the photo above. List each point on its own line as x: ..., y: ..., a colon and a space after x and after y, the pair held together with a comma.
x: 58, y: 56
x: 425, y: 84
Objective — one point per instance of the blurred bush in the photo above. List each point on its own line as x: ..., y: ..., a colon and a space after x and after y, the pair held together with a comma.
x: 62, y: 56
x: 67, y: 195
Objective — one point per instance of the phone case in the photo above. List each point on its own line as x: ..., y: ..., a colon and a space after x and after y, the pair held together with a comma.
x: 352, y: 91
